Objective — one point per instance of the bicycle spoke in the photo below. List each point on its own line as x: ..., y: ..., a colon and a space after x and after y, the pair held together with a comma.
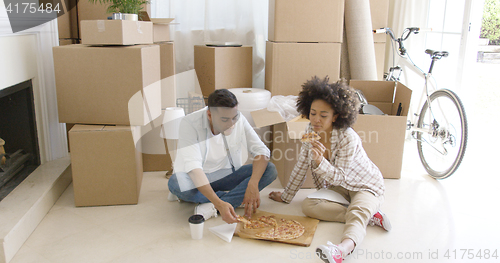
x: 442, y: 148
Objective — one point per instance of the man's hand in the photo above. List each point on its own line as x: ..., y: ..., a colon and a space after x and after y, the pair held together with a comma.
x: 251, y: 199
x: 276, y: 196
x: 227, y: 212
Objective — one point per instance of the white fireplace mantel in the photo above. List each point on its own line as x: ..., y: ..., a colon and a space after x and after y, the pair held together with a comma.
x: 51, y: 134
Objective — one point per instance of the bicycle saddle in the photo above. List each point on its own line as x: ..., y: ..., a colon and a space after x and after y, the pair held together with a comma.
x: 434, y: 53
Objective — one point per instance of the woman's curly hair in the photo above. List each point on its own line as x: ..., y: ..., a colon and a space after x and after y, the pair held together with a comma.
x: 339, y: 95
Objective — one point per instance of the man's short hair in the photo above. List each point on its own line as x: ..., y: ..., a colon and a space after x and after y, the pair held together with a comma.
x: 222, y: 98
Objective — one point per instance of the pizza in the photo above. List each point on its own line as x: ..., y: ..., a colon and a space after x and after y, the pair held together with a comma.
x: 288, y: 229
x: 310, y: 137
x: 252, y: 223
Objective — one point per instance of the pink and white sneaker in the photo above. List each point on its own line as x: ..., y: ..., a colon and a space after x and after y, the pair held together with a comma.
x: 380, y: 219
x: 330, y: 253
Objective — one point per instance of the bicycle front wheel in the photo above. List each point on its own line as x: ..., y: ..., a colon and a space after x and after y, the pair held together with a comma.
x: 442, y: 149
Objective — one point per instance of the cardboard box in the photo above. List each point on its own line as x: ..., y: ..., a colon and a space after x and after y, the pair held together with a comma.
x: 379, y: 10
x: 161, y: 27
x: 106, y: 165
x: 384, y: 135
x: 306, y: 21
x: 223, y: 67
x: 286, y: 143
x: 167, y: 68
x: 91, y: 11
x: 67, y: 41
x: 116, y: 32
x: 289, y: 65
x: 67, y: 23
x: 157, y: 162
x: 108, y: 85
x: 154, y: 148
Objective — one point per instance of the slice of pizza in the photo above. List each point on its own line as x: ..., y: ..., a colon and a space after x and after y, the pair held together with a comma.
x: 310, y: 137
x: 291, y: 229
x: 252, y: 223
x: 270, y: 220
x: 268, y: 234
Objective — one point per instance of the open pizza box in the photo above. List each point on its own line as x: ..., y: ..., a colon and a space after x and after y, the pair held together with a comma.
x: 305, y: 240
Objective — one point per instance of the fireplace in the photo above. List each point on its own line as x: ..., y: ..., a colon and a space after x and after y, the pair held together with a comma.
x: 19, y: 136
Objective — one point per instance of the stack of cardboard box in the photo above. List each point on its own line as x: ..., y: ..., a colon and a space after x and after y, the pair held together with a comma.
x: 304, y: 40
x: 111, y: 91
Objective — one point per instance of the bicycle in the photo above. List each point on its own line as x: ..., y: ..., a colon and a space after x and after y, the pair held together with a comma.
x: 440, y: 128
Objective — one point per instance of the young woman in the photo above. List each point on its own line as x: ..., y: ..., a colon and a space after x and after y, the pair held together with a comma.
x: 339, y: 163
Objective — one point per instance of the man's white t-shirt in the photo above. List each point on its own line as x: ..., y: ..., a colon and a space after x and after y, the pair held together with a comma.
x: 217, y: 155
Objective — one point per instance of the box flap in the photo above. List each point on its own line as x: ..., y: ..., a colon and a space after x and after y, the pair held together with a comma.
x: 144, y: 16
x: 403, y: 96
x: 264, y: 118
x: 297, y: 127
x: 86, y: 128
x: 375, y: 91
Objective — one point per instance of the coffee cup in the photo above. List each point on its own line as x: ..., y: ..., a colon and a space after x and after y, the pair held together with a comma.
x: 196, y: 225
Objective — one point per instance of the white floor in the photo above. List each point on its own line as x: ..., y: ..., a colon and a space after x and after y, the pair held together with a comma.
x: 456, y: 217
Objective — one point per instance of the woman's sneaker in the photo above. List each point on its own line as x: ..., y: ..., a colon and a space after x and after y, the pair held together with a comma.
x: 207, y: 210
x: 381, y: 220
x: 329, y: 253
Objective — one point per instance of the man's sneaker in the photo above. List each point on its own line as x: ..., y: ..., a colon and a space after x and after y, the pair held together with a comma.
x: 172, y: 198
x: 207, y: 210
x: 380, y: 219
x: 330, y: 253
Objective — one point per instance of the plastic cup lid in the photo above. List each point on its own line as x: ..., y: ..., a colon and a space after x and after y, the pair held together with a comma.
x: 196, y: 219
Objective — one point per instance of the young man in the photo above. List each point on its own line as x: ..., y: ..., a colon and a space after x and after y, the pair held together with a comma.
x: 213, y: 145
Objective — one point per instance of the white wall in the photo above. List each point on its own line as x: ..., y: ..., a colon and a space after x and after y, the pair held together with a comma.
x: 18, y: 59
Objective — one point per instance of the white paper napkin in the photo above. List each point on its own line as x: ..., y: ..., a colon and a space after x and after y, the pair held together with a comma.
x: 225, y: 231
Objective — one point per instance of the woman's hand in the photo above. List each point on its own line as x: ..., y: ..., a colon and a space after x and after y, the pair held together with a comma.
x: 276, y: 196
x: 317, y: 151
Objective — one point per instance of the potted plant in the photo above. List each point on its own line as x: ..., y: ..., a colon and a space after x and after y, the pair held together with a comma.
x: 123, y: 9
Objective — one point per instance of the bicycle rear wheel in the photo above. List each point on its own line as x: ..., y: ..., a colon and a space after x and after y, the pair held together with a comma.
x: 442, y: 149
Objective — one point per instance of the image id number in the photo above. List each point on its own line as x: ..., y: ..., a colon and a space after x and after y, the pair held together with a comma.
x: 31, y: 8
x: 470, y: 254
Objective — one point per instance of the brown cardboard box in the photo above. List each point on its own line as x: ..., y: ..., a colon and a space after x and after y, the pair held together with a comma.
x: 289, y: 65
x: 167, y: 66
x: 91, y: 11
x: 223, y: 67
x: 67, y: 23
x: 157, y: 162
x: 108, y: 85
x: 306, y: 21
x: 116, y: 32
x: 67, y: 41
x: 106, y: 165
x: 380, y: 17
x: 161, y: 27
x: 286, y: 143
x: 383, y: 136
x: 154, y: 148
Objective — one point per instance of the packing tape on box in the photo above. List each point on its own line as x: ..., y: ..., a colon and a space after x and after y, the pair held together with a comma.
x: 101, y: 27
x: 362, y: 62
x: 251, y: 99
x: 139, y: 30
